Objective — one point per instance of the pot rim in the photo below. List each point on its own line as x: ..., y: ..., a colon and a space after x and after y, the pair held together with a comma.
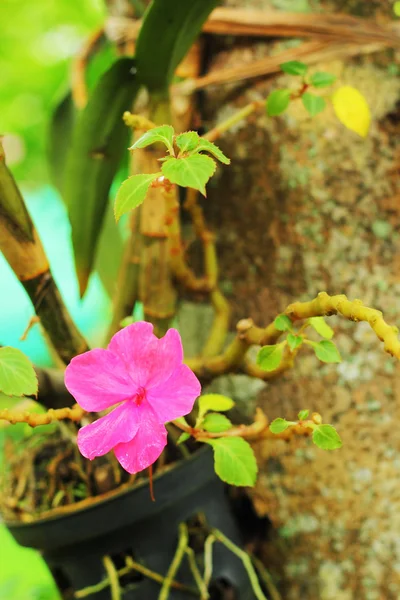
x: 96, y: 501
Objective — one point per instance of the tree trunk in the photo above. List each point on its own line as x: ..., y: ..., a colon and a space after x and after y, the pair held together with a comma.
x: 308, y: 206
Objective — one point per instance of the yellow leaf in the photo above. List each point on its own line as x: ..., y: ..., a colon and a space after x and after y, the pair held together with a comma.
x: 352, y: 110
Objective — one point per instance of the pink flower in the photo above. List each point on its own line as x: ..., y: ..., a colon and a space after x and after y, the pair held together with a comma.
x: 146, y: 377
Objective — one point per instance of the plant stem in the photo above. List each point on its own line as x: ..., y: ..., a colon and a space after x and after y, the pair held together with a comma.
x: 208, y: 565
x: 239, y: 116
x: 267, y: 579
x: 204, y: 595
x: 35, y: 419
x: 246, y: 560
x: 132, y: 565
x: 233, y: 359
x: 183, y: 541
x: 24, y: 252
x: 113, y: 578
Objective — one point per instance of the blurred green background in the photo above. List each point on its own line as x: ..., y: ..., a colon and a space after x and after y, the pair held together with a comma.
x: 38, y: 40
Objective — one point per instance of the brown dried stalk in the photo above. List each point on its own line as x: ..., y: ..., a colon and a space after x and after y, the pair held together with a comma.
x: 23, y: 250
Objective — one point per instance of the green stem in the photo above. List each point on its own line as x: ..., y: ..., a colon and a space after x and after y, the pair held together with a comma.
x: 246, y: 560
x: 208, y: 565
x: 183, y: 541
x: 267, y: 579
x: 113, y: 578
x: 204, y: 595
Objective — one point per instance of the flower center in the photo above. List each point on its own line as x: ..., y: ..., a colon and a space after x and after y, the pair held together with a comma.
x: 140, y: 396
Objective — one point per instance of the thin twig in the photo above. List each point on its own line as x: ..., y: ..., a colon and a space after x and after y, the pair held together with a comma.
x: 183, y: 541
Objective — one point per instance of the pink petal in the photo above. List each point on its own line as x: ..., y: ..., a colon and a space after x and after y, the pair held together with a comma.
x: 146, y: 446
x: 98, y: 379
x: 131, y: 345
x: 120, y: 425
x: 148, y: 359
x: 175, y: 397
x: 169, y: 356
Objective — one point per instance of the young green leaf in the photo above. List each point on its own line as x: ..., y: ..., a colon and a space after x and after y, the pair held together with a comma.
x: 127, y: 321
x: 214, y: 402
x: 215, y: 423
x: 17, y: 375
x: 132, y: 193
x: 234, y: 461
x: 321, y: 327
x: 294, y: 341
x: 206, y: 146
x: 313, y: 104
x: 183, y: 437
x: 326, y: 437
x: 277, y: 102
x: 192, y: 171
x: 283, y: 323
x: 327, y: 352
x: 187, y: 141
x: 352, y: 109
x: 163, y: 134
x: 303, y: 415
x: 279, y: 425
x: 269, y: 357
x: 396, y: 8
x: 320, y: 80
x: 294, y: 67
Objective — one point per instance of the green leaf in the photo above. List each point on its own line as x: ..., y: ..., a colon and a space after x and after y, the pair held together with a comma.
x: 215, y: 423
x: 192, y: 171
x: 127, y: 321
x: 61, y: 128
x: 313, y: 104
x: 163, y: 135
x: 294, y: 67
x: 187, y: 141
x: 320, y: 80
x: 283, y: 323
x: 165, y: 37
x: 269, y: 357
x: 99, y: 142
x: 132, y: 193
x: 303, y: 415
x: 321, y: 327
x: 214, y: 402
x: 279, y: 425
x: 327, y: 352
x: 110, y: 247
x: 294, y: 341
x: 183, y: 437
x: 17, y: 375
x: 277, y: 102
x: 396, y: 8
x: 234, y: 461
x: 206, y: 146
x: 326, y: 437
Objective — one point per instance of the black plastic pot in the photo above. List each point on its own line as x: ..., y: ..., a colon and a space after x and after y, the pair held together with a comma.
x: 129, y: 523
